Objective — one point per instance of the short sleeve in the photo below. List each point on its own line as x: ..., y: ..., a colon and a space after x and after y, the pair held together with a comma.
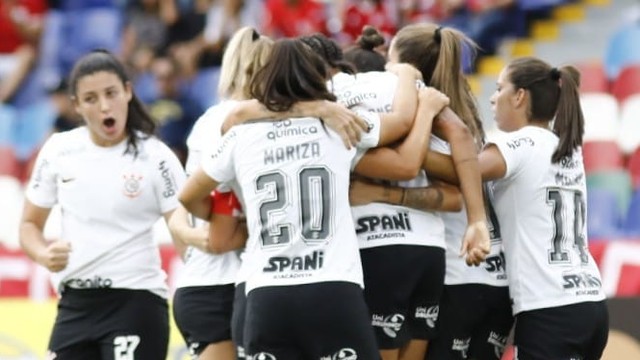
x: 371, y: 138
x: 219, y: 164
x: 515, y: 148
x: 168, y: 178
x: 42, y: 190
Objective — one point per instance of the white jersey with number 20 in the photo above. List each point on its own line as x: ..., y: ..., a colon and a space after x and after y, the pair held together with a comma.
x: 294, y: 176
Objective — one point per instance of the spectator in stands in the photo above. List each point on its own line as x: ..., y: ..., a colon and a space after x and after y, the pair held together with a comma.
x: 222, y: 19
x: 291, y: 18
x: 375, y: 13
x: 66, y: 117
x: 145, y: 31
x: 21, y: 24
x: 174, y: 111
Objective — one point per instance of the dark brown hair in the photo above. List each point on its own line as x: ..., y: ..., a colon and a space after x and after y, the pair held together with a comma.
x: 138, y: 119
x: 553, y: 94
x: 362, y: 55
x: 293, y: 73
x: 437, y: 53
x: 329, y: 51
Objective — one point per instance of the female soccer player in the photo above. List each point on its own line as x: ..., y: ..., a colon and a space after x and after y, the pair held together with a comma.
x: 113, y: 180
x: 204, y: 297
x: 302, y: 257
x: 540, y: 200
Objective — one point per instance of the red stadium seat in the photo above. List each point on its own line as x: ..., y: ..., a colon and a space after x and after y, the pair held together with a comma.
x: 627, y: 82
x: 602, y: 155
x: 634, y: 168
x: 9, y: 164
x: 593, y: 78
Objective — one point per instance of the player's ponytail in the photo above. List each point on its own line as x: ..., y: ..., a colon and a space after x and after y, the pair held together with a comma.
x: 553, y: 95
x: 437, y: 52
x: 569, y: 120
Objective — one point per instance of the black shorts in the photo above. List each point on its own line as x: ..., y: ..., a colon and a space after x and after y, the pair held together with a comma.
x: 326, y: 320
x: 571, y: 332
x: 474, y: 323
x: 237, y: 320
x: 110, y: 324
x: 402, y: 288
x: 203, y: 315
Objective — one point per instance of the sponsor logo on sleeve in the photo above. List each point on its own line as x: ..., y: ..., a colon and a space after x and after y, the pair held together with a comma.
x: 169, y: 182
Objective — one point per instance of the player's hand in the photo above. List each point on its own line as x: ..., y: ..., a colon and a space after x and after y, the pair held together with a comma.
x: 476, y: 243
x: 55, y: 256
x: 345, y: 122
x: 400, y: 68
x: 362, y: 192
x: 432, y: 99
x: 200, y: 238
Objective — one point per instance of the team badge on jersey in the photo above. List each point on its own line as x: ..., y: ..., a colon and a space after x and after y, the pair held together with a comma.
x: 262, y: 356
x: 132, y: 187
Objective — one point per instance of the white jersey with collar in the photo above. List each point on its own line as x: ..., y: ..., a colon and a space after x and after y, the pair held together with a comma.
x: 296, y: 191
x: 542, y: 210
x: 381, y: 224
x: 492, y: 271
x: 200, y: 268
x: 109, y: 202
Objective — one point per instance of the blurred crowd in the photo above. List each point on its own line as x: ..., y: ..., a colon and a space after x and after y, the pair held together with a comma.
x: 173, y: 49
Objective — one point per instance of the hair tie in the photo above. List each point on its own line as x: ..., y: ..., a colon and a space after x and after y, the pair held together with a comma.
x: 555, y: 74
x: 437, y: 36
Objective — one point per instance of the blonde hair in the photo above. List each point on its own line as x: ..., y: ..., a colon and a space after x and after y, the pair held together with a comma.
x: 235, y: 59
x: 257, y: 57
x: 437, y: 52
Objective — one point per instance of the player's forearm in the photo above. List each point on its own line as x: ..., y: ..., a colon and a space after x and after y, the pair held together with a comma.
x: 32, y: 241
x: 465, y: 158
x: 405, y: 101
x: 222, y: 241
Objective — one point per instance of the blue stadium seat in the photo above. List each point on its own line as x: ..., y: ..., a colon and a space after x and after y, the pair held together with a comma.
x: 631, y: 224
x: 603, y: 216
x: 622, y: 49
x: 204, y: 87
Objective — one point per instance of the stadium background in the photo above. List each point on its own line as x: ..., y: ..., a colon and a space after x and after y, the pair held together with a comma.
x: 178, y: 80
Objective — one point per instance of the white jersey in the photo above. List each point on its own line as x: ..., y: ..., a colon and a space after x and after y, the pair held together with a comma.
x: 542, y: 210
x: 492, y: 270
x: 296, y: 191
x: 200, y: 268
x: 381, y: 224
x: 109, y: 204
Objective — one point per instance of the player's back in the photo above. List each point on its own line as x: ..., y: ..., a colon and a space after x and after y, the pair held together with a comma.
x: 294, y: 176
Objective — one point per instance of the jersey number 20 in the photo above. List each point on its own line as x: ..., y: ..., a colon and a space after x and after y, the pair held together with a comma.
x: 314, y: 189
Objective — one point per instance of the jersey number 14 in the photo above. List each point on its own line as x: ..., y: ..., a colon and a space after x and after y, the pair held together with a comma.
x: 576, y: 234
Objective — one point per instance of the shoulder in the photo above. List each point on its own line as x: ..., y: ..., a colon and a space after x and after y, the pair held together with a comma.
x: 65, y: 142
x: 524, y: 138
x: 210, y: 122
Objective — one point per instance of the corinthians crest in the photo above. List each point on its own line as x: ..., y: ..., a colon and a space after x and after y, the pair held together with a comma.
x: 131, y: 185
